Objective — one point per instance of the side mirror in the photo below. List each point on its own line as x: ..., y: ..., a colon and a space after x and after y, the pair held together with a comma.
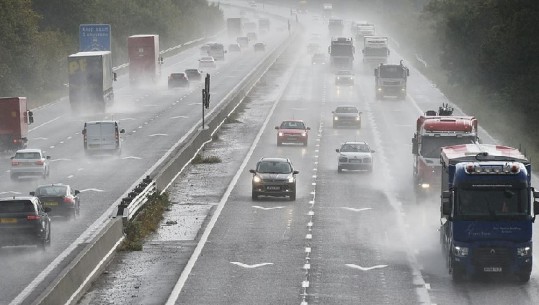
x: 446, y: 205
x: 536, y: 208
x: 376, y: 72
x: 77, y: 192
x: 12, y: 158
x: 252, y: 171
x: 48, y: 157
x: 333, y: 112
x: 295, y: 172
x: 337, y: 150
x: 47, y: 209
x: 388, y: 52
x: 32, y: 193
x: 161, y: 60
x: 114, y: 76
x: 415, y: 147
x: 122, y: 131
x: 308, y: 128
x: 83, y: 132
x: 363, y: 51
x: 30, y: 117
x: 373, y: 151
x: 407, y: 72
x: 277, y: 127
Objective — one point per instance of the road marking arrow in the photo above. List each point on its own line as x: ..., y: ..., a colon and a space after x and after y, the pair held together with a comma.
x: 354, y: 266
x: 356, y: 210
x: 250, y: 266
x: 266, y: 209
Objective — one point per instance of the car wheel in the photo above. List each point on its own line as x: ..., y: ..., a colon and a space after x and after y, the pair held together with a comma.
x: 305, y: 143
x: 339, y: 169
x: 523, y: 277
x: 293, y: 196
x: 254, y: 196
x: 279, y: 143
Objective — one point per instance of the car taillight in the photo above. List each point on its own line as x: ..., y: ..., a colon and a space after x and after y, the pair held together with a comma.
x: 33, y: 217
x: 15, y: 163
x: 40, y: 162
x: 69, y: 200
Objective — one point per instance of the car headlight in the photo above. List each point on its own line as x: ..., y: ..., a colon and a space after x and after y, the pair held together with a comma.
x: 303, y: 134
x: 256, y: 179
x: 358, y: 118
x: 425, y: 185
x: 524, y: 251
x: 280, y: 134
x: 335, y: 118
x: 343, y: 159
x: 379, y: 89
x: 291, y: 179
x: 338, y: 78
x: 460, y: 251
x: 402, y: 89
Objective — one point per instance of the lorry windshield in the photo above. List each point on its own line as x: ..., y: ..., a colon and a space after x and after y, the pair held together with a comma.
x: 342, y: 50
x: 491, y: 202
x: 430, y: 146
x: 391, y: 72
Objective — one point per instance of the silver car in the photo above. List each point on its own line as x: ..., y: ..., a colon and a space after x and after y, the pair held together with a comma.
x: 346, y: 116
x: 355, y: 156
x: 29, y: 162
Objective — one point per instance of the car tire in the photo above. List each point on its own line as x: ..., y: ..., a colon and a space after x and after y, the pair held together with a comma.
x: 254, y: 196
x: 293, y: 196
x: 279, y: 143
x: 524, y: 277
x: 339, y: 169
x: 305, y: 143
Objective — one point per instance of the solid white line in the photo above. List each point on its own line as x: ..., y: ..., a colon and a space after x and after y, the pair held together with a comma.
x: 198, y: 250
x: 48, y: 122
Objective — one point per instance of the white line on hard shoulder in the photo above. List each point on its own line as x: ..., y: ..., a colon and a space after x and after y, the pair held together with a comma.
x: 48, y: 122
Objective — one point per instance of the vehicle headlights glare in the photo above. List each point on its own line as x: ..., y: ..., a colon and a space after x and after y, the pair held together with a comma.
x: 280, y: 134
x: 524, y: 251
x: 291, y: 179
x: 303, y: 134
x: 460, y: 251
x: 425, y: 185
x: 256, y: 179
x: 379, y: 89
x: 335, y: 118
x: 358, y: 118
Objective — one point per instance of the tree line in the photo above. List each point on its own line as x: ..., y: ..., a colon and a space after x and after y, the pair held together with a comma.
x: 37, y: 35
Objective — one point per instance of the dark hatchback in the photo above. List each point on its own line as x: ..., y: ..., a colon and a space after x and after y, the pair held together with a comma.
x: 178, y: 80
x: 60, y: 198
x: 274, y: 177
x: 24, y: 221
x: 193, y: 74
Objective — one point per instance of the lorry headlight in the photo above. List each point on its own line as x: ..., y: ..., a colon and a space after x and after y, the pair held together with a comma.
x: 303, y: 134
x: 524, y: 251
x: 425, y: 185
x: 358, y: 118
x: 379, y: 89
x: 280, y: 134
x: 335, y: 118
x: 256, y: 179
x: 460, y: 251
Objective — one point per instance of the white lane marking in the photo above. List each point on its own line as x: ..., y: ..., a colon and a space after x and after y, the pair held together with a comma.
x: 158, y: 135
x: 48, y: 122
x: 179, y: 117
x: 70, y: 137
x: 10, y: 192
x: 127, y: 119
x: 92, y: 190
x: 150, y: 105
x: 308, y: 250
x: 356, y: 210
x: 40, y: 138
x: 250, y: 266
x: 354, y: 266
x: 79, y: 169
x: 51, y: 147
x: 311, y: 213
x: 266, y: 209
x: 70, y: 176
x: 309, y: 236
x: 305, y: 284
x: 61, y: 159
x: 198, y: 250
x: 195, y: 104
x: 131, y: 157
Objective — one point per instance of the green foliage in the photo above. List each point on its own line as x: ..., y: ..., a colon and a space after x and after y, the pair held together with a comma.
x: 38, y: 35
x: 199, y: 159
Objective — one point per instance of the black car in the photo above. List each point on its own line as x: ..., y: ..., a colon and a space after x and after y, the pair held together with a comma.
x: 193, y: 74
x: 178, y: 80
x: 60, y: 198
x: 274, y: 177
x: 24, y: 221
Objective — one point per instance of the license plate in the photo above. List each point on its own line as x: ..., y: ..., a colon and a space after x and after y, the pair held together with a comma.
x: 492, y: 269
x: 355, y: 161
x: 273, y: 188
x: 51, y: 203
x: 8, y: 220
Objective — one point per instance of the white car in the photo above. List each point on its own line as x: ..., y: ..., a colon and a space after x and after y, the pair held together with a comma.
x: 29, y: 162
x: 355, y: 156
x: 206, y: 62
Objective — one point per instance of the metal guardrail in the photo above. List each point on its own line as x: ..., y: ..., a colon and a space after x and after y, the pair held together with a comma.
x: 135, y: 199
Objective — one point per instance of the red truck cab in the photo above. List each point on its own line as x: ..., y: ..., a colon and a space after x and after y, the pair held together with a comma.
x: 14, y: 120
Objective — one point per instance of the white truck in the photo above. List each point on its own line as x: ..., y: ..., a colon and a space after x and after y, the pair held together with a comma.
x: 375, y: 49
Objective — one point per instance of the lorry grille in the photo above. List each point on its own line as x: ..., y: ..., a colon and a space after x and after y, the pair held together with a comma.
x: 491, y: 256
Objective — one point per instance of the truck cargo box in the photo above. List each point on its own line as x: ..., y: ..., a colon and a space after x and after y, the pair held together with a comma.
x: 143, y: 52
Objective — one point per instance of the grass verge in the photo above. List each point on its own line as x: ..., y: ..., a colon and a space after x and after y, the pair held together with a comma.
x: 199, y: 159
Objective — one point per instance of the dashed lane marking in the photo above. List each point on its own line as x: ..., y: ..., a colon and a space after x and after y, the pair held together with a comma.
x: 247, y: 266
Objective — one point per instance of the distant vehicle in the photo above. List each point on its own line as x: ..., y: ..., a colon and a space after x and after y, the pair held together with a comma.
x: 313, y: 47
x: 206, y: 62
x: 252, y: 36
x: 293, y: 131
x: 335, y: 27
x: 24, y: 221
x: 355, y: 156
x: 375, y: 49
x: 90, y: 81
x: 274, y: 177
x: 341, y: 53
x: 144, y: 59
x: 319, y: 59
x: 259, y: 47
x: 179, y: 79
x: 29, y: 162
x: 102, y: 136
x: 234, y: 27
x: 249, y: 26
x: 60, y: 198
x: 264, y: 24
x: 391, y: 80
x: 344, y: 77
x: 14, y: 120
x: 193, y: 74
x: 243, y: 41
x: 252, y: 3
x: 234, y: 47
x: 204, y: 50
x: 217, y: 51
x: 346, y: 116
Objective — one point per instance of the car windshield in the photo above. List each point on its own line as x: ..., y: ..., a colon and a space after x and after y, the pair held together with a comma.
x: 27, y: 155
x: 345, y: 73
x: 177, y: 75
x: 51, y: 190
x: 274, y: 167
x: 430, y: 146
x: 489, y: 202
x: 16, y: 206
x: 191, y: 71
x: 346, y: 110
x: 355, y: 148
x: 292, y: 125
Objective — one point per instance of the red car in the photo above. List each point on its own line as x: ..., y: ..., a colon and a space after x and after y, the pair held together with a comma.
x: 293, y: 131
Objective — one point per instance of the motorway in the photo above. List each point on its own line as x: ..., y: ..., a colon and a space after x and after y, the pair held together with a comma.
x: 348, y: 238
x: 154, y: 118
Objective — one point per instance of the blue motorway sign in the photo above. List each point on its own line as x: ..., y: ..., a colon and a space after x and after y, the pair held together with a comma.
x: 94, y: 37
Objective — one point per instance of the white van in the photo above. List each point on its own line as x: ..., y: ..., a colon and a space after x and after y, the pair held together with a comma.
x: 102, y: 136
